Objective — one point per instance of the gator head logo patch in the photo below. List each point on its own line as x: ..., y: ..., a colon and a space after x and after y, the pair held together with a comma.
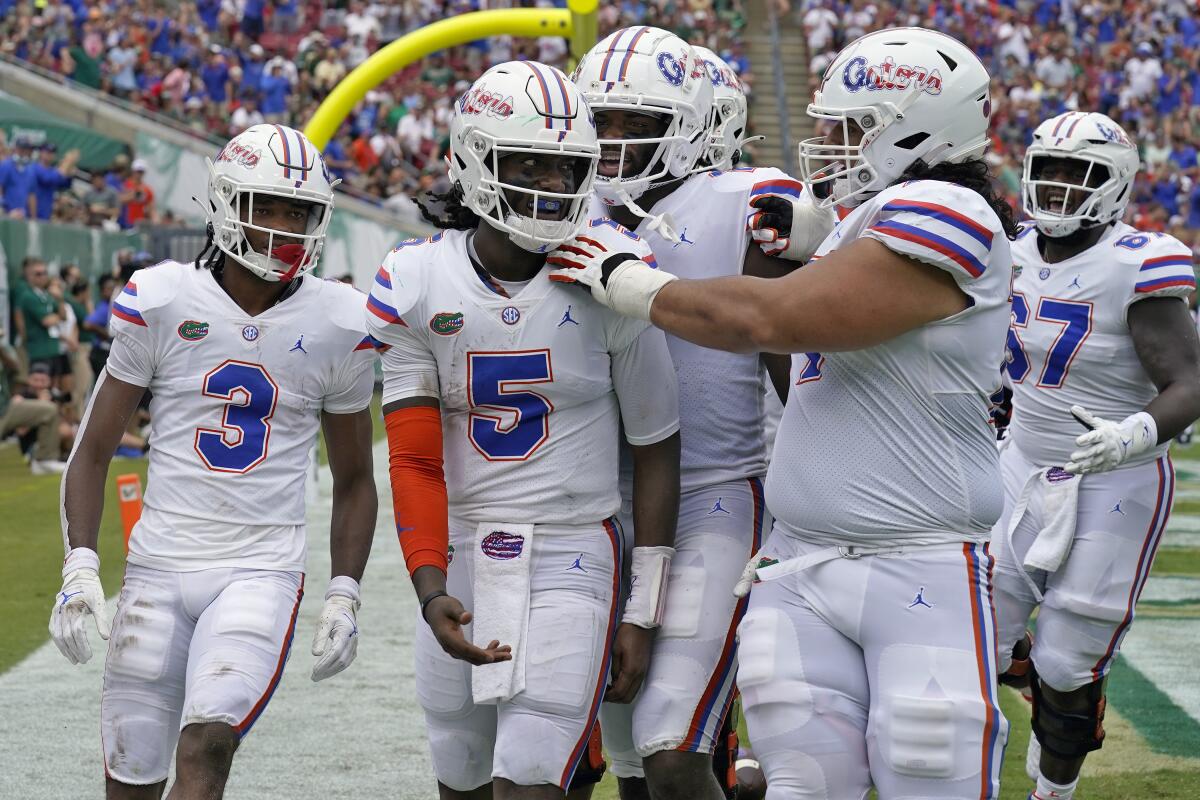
x: 192, y: 331
x: 446, y: 323
x: 449, y: 555
x: 502, y: 546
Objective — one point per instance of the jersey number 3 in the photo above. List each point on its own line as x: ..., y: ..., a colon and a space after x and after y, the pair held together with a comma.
x: 1076, y: 321
x: 240, y: 444
x: 507, y: 424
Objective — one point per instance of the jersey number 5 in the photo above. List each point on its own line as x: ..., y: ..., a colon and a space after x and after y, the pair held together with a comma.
x: 1076, y: 321
x: 507, y: 424
x: 240, y: 444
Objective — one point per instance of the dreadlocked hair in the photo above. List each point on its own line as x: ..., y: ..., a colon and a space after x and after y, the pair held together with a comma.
x: 972, y: 174
x: 211, y: 257
x: 446, y: 210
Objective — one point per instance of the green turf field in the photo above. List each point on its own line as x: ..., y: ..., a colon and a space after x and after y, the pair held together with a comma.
x: 1153, y: 745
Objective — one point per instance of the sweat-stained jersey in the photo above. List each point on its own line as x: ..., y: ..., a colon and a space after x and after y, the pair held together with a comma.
x: 1069, y: 343
x: 533, y: 388
x: 891, y: 444
x: 236, y: 406
x: 721, y: 413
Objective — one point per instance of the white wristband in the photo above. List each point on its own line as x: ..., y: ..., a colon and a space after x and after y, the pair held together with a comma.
x: 648, y: 586
x: 632, y: 287
x: 81, y: 558
x: 344, y: 586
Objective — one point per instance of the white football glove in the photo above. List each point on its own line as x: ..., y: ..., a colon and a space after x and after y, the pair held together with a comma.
x: 81, y: 596
x: 336, y: 642
x: 1109, y: 444
x: 789, y: 227
x: 615, y: 264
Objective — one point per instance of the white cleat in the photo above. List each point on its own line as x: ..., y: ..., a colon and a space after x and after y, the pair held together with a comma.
x: 1033, y: 758
x: 47, y: 467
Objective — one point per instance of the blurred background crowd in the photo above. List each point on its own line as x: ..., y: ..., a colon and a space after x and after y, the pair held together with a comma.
x: 218, y: 66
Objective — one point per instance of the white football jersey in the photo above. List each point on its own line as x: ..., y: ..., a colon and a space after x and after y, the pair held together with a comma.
x: 236, y: 408
x: 1069, y: 343
x: 533, y: 388
x: 892, y: 443
x: 721, y: 413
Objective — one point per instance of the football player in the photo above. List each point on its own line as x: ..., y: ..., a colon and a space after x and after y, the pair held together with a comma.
x: 660, y: 143
x: 524, y: 385
x: 868, y: 655
x: 246, y: 356
x: 1101, y: 333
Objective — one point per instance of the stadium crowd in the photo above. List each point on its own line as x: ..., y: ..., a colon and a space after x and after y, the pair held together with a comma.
x: 1138, y: 61
x: 220, y: 67
x: 61, y: 340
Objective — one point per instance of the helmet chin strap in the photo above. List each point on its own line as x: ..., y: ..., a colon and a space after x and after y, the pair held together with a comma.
x: 662, y: 224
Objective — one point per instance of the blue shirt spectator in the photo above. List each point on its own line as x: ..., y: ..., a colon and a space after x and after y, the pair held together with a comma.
x: 275, y: 89
x: 159, y: 27
x: 252, y: 69
x: 1183, y: 155
x: 215, y: 77
x: 209, y: 11
x: 17, y: 180
x: 49, y: 180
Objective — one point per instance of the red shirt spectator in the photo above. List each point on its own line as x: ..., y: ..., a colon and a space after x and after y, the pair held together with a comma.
x: 138, y: 197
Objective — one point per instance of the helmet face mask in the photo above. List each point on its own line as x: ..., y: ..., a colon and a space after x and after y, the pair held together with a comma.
x: 645, y: 70
x: 1078, y: 173
x: 278, y: 170
x: 524, y: 112
x: 915, y: 94
x: 727, y: 135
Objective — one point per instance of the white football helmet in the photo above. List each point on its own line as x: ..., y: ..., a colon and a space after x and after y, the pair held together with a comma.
x: 1108, y: 152
x: 649, y: 70
x: 523, y: 107
x: 730, y: 117
x: 269, y: 160
x: 914, y: 93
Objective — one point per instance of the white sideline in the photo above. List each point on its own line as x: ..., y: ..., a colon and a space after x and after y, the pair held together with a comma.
x: 357, y: 735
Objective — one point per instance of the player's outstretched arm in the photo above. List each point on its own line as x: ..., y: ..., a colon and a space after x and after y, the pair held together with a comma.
x: 352, y: 527
x: 414, y: 430
x: 113, y: 404
x: 655, y: 512
x: 856, y: 297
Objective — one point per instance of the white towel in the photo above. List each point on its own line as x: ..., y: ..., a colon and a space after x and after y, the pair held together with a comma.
x: 1060, y: 500
x: 501, y: 606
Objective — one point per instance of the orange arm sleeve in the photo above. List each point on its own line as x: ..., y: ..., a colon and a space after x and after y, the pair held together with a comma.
x: 418, y: 485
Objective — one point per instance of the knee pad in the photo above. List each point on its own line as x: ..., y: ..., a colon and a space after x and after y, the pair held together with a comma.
x: 1018, y: 673
x: 462, y: 759
x: 137, y: 749
x: 1064, y: 733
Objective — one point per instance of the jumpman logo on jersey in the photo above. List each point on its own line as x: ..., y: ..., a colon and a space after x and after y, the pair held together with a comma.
x: 1075, y: 283
x: 718, y: 507
x: 66, y: 597
x: 566, y: 318
x: 577, y: 565
x: 299, y: 345
x: 682, y: 239
x: 1117, y: 508
x: 919, y: 600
